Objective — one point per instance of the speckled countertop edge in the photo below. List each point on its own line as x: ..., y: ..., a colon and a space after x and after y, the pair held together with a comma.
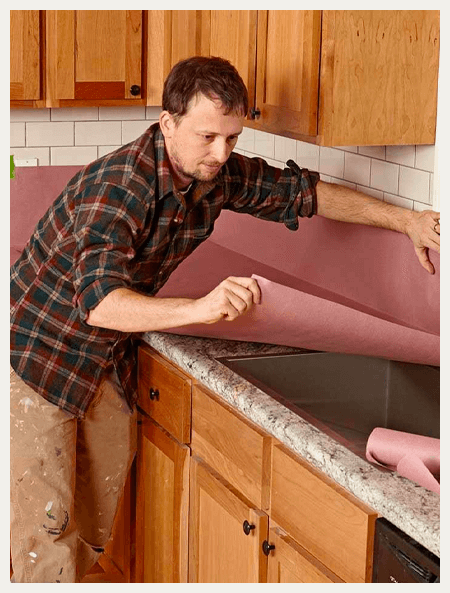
x: 410, y: 507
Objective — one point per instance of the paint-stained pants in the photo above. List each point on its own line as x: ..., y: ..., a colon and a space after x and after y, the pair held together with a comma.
x: 67, y: 477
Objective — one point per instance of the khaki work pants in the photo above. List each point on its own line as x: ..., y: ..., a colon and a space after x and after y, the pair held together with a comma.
x: 67, y: 478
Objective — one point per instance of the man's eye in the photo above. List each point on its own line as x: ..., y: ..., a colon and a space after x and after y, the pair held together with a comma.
x: 207, y: 137
x: 232, y: 139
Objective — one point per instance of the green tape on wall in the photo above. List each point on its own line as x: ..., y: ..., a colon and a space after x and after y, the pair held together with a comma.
x: 11, y: 161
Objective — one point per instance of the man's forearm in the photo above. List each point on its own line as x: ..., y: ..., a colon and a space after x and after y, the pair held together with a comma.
x: 128, y: 311
x: 341, y: 203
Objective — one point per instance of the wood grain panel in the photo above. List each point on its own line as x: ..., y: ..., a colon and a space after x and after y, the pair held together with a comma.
x: 323, y: 517
x: 172, y: 409
x: 219, y: 550
x: 379, y: 77
x: 24, y: 55
x: 161, y: 507
x: 290, y: 563
x: 240, y: 452
x: 287, y: 77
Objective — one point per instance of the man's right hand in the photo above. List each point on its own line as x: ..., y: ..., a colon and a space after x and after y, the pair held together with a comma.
x: 230, y: 299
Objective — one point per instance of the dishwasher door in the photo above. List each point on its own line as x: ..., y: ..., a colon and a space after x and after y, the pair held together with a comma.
x: 400, y: 559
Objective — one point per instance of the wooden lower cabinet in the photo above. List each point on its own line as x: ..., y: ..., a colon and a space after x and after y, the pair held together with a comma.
x: 162, y: 502
x: 220, y: 550
x: 289, y: 562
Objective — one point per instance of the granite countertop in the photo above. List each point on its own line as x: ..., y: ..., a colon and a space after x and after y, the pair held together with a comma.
x: 413, y: 509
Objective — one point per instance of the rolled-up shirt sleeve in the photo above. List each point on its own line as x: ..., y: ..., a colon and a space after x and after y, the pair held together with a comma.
x: 280, y: 195
x: 107, y: 220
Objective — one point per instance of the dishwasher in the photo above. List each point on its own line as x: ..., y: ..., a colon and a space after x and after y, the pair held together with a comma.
x: 398, y: 558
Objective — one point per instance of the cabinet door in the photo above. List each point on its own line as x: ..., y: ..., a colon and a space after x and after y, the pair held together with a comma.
x: 94, y: 56
x: 220, y: 551
x: 233, y: 37
x: 24, y: 55
x: 287, y: 77
x: 288, y: 562
x: 162, y: 499
x: 379, y: 75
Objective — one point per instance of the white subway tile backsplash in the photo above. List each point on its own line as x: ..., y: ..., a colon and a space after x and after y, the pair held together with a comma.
x: 73, y: 155
x: 50, y: 134
x: 420, y: 207
x: 398, y: 201
x: 374, y: 193
x: 152, y: 112
x: 265, y: 144
x: 398, y: 174
x: 29, y: 115
x: 349, y: 148
x: 403, y: 155
x: 285, y: 149
x: 342, y: 182
x: 102, y: 150
x: 414, y: 184
x: 133, y: 129
x: 75, y: 114
x: 357, y: 168
x: 246, y: 140
x: 425, y: 158
x: 95, y: 133
x: 376, y: 152
x: 122, y: 113
x: 384, y: 176
x: 41, y: 154
x: 308, y: 155
x: 331, y: 162
x: 17, y: 134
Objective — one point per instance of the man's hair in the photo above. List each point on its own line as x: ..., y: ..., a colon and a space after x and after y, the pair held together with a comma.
x: 215, y: 78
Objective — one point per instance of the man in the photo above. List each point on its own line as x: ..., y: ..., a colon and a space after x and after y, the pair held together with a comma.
x: 86, y: 282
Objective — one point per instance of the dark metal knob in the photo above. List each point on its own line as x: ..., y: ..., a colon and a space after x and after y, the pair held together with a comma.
x: 267, y: 547
x: 255, y: 113
x: 135, y: 90
x: 154, y: 393
x: 247, y: 527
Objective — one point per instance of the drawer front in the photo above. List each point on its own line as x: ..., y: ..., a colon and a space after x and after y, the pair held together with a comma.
x: 165, y: 394
x: 323, y: 517
x: 229, y: 444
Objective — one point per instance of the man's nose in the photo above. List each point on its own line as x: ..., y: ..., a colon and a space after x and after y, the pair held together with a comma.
x: 221, y: 151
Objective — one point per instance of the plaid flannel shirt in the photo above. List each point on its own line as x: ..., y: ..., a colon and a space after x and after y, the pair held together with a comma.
x: 120, y: 222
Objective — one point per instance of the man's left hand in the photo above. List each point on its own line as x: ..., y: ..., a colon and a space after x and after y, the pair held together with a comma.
x: 424, y: 231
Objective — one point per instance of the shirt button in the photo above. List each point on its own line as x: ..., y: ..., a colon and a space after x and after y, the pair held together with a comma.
x: 178, y: 219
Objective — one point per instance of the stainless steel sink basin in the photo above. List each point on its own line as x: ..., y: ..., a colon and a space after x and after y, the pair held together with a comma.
x: 347, y: 395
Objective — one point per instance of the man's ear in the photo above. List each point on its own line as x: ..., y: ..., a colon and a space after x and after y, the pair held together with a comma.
x: 166, y: 123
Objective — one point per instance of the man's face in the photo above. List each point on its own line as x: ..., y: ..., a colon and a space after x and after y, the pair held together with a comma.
x: 201, y: 142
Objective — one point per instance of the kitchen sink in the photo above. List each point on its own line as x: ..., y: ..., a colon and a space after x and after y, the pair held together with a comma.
x: 347, y: 396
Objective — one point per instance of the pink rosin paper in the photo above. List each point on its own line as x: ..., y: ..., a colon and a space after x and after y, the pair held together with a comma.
x: 291, y: 317
x: 415, y: 457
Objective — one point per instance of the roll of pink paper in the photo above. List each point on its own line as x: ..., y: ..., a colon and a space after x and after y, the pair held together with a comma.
x: 413, y: 456
x: 414, y: 469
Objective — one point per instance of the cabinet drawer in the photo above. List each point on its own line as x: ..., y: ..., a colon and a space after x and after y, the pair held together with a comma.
x: 164, y: 393
x: 323, y: 517
x: 232, y: 446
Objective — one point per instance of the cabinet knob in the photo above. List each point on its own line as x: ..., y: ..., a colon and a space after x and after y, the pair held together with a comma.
x: 255, y: 113
x: 135, y: 90
x: 267, y: 547
x: 247, y: 527
x: 154, y: 393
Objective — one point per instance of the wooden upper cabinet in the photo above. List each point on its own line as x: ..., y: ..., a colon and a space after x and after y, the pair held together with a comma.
x: 25, y: 55
x: 287, y: 76
x: 94, y: 57
x: 379, y: 75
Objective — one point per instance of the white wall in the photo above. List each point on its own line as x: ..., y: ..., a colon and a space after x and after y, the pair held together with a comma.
x: 400, y: 175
